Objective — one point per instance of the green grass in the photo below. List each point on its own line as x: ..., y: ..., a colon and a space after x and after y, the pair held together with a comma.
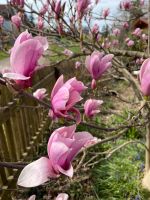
x: 3, y: 55
x: 119, y: 178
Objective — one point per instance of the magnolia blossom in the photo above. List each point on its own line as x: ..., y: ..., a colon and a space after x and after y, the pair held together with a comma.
x: 68, y: 52
x: 57, y: 9
x: 106, y: 12
x: 44, y: 9
x: 116, y: 32
x: 137, y: 32
x: 142, y: 2
x: 144, y: 37
x: 1, y: 20
x: 63, y: 145
x: 139, y: 61
x: 115, y: 43
x: 126, y: 5
x: 130, y: 43
x: 17, y: 2
x: 40, y: 23
x: 93, y: 84
x: 82, y: 7
x: 97, y: 63
x: 106, y: 44
x: 91, y: 107
x: 24, y: 58
x: 77, y: 64
x: 62, y: 196
x: 144, y: 76
x: 64, y: 96
x: 95, y: 29
x: 40, y: 93
x: 16, y: 20
x: 126, y: 25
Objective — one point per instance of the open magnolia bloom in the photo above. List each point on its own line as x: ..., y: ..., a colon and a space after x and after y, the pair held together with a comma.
x: 64, y: 96
x: 92, y: 107
x: 63, y: 145
x: 40, y: 93
x: 24, y: 58
x: 97, y: 63
x: 144, y: 76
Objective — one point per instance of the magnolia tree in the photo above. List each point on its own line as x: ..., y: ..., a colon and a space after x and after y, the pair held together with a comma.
x: 100, y: 51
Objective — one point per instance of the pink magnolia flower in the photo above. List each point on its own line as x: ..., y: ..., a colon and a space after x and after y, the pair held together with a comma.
x: 126, y: 5
x: 24, y: 58
x: 77, y: 64
x: 139, y: 61
x: 97, y: 64
x: 82, y: 7
x: 144, y: 37
x: 93, y: 84
x: 106, y: 12
x: 116, y: 32
x: 40, y: 23
x: 17, y: 2
x: 130, y: 43
x: 57, y: 9
x: 127, y: 40
x: 1, y: 20
x: 91, y: 107
x: 137, y: 32
x: 16, y: 20
x: 64, y: 96
x: 115, y: 43
x: 44, y: 9
x: 142, y: 2
x: 144, y: 76
x: 62, y: 196
x: 126, y: 25
x: 95, y: 29
x: 68, y: 52
x: 63, y: 145
x: 40, y: 93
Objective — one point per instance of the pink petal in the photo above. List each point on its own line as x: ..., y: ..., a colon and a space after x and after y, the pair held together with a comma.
x: 22, y: 37
x: 32, y: 197
x: 24, y: 58
x: 66, y: 132
x: 56, y: 151
x: 57, y: 86
x: 68, y: 172
x: 145, y: 65
x: 73, y: 99
x: 15, y: 76
x: 43, y: 41
x: 59, y: 101
x: 62, y: 196
x: 36, y: 173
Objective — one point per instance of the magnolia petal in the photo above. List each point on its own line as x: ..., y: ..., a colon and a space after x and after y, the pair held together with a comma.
x: 59, y: 101
x: 15, y: 76
x: 68, y: 172
x: 62, y: 196
x: 32, y: 197
x: 43, y: 41
x: 57, y: 86
x: 36, y: 173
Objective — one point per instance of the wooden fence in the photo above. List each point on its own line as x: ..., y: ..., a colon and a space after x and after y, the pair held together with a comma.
x: 22, y: 124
